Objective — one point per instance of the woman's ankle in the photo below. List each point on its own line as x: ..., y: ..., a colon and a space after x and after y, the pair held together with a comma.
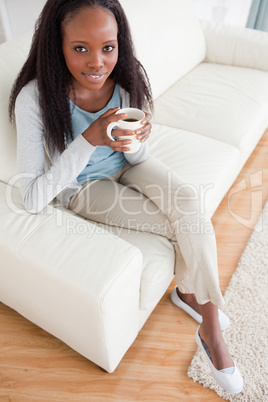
x: 189, y: 299
x: 215, y: 342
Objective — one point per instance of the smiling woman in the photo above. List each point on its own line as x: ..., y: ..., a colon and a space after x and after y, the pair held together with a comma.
x: 62, y: 20
x: 65, y: 106
x: 90, y: 49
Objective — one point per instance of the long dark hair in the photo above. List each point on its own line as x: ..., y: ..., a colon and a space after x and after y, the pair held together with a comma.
x: 46, y: 63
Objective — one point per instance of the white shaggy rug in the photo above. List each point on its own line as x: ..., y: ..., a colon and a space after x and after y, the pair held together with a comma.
x: 246, y: 303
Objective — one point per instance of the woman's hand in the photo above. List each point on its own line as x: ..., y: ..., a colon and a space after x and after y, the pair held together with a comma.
x: 143, y: 133
x: 96, y: 133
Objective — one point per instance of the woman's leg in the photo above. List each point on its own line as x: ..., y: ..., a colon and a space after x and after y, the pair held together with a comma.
x: 112, y: 203
x: 190, y: 299
x: 193, y: 234
x: 197, y: 273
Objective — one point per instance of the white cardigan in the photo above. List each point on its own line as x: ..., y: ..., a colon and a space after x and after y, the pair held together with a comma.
x: 41, y: 178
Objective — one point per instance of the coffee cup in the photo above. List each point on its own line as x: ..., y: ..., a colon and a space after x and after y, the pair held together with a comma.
x: 131, y: 122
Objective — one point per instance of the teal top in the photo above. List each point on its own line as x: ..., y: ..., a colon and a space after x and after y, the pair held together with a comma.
x: 103, y: 162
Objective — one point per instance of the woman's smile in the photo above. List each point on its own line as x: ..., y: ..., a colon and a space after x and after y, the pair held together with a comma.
x: 94, y: 77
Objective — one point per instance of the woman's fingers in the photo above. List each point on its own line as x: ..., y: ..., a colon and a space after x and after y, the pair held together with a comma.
x: 147, y: 118
x: 119, y: 132
x: 111, y: 115
x: 121, y: 146
x: 143, y: 133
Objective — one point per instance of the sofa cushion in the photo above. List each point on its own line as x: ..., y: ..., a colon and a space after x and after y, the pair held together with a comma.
x: 157, y: 266
x: 158, y: 263
x: 158, y: 259
x: 207, y: 165
x: 172, y: 46
x: 228, y: 104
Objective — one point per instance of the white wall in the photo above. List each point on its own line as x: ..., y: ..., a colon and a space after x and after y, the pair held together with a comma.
x: 23, y: 13
x: 19, y: 16
x: 229, y: 12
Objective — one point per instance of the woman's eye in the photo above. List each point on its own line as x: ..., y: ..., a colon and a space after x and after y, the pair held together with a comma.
x: 109, y: 48
x: 80, y: 49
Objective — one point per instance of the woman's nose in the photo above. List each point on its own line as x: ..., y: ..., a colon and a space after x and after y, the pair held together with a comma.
x: 95, y: 61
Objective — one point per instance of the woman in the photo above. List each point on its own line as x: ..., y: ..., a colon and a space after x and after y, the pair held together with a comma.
x: 80, y: 71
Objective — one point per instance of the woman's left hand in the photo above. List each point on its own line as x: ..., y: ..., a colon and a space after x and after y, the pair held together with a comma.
x: 142, y: 134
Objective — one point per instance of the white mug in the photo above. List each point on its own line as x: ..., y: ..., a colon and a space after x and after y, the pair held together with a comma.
x: 131, y: 122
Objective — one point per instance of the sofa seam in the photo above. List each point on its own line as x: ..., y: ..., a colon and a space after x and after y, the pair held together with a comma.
x: 24, y: 241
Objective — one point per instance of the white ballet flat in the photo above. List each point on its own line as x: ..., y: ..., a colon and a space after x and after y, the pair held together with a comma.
x: 223, y: 319
x: 230, y: 382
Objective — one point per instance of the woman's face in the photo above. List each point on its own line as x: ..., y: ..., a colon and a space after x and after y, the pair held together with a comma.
x: 90, y: 47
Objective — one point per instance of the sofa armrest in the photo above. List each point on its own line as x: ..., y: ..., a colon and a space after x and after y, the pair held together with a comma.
x: 235, y: 46
x: 71, y: 278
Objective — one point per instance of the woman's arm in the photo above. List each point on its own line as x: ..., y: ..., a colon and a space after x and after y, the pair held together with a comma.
x: 38, y: 185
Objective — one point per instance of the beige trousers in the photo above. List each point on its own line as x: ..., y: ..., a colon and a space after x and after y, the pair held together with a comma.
x: 150, y: 197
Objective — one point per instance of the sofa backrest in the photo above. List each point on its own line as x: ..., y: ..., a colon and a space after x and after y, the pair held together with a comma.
x: 12, y: 56
x: 169, y: 42
x: 168, y: 38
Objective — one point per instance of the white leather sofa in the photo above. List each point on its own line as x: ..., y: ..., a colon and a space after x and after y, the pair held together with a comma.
x: 94, y: 287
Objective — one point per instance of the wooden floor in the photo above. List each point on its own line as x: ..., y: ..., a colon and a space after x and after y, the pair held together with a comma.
x: 34, y: 366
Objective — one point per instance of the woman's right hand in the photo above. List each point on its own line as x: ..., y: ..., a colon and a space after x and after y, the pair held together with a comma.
x: 96, y: 133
